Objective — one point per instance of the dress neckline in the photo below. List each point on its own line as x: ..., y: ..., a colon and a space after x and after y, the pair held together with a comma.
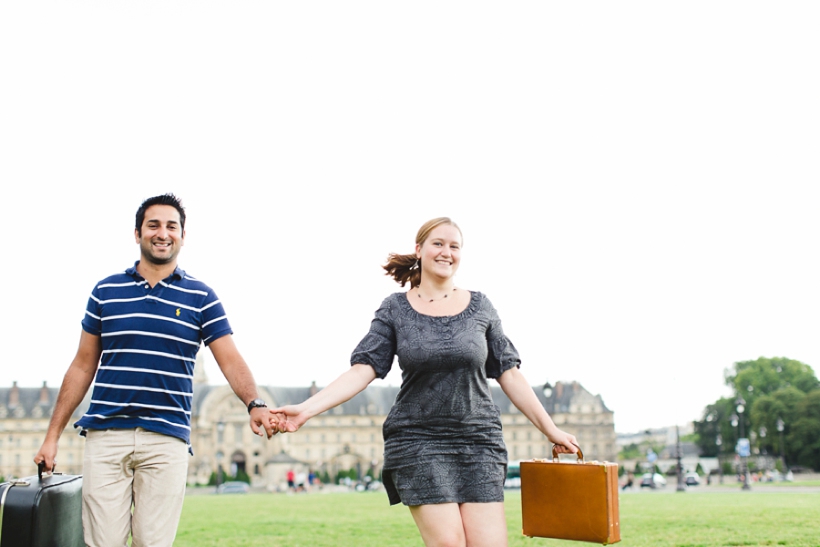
x: 470, y: 305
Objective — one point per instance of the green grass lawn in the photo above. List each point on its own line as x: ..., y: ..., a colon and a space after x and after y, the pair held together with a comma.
x: 658, y: 519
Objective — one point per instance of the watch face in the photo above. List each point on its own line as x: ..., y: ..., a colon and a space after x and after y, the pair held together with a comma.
x: 256, y: 403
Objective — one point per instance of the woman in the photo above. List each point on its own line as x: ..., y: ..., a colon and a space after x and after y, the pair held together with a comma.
x: 444, y: 454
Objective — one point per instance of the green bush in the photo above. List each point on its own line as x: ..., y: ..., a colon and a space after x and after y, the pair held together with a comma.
x: 241, y: 476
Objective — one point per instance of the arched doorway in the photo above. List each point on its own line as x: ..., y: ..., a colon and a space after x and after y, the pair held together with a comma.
x: 238, y: 463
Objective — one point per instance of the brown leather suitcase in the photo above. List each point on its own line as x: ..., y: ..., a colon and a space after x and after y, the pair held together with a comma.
x: 570, y: 500
x: 42, y: 511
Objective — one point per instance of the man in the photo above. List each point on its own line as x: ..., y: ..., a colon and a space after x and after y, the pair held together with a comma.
x: 144, y: 327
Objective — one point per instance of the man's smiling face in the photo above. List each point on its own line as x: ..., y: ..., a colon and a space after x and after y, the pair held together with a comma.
x: 161, y: 236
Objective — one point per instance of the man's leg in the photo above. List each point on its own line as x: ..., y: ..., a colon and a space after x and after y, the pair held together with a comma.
x: 107, y: 485
x: 160, y: 474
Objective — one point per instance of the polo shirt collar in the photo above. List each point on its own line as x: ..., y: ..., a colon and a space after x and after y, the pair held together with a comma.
x: 179, y: 273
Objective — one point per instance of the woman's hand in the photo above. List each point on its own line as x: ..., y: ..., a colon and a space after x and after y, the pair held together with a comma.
x: 564, y: 442
x: 288, y: 419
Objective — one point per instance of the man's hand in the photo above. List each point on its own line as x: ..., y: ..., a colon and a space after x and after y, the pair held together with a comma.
x: 47, y: 454
x: 260, y: 421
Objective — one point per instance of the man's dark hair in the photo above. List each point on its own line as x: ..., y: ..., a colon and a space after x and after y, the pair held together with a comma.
x: 164, y: 199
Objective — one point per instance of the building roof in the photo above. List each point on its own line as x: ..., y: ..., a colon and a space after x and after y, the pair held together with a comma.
x: 377, y: 400
x: 33, y: 402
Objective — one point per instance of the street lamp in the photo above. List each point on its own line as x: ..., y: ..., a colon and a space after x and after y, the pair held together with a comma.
x: 681, y: 487
x: 220, y: 428
x: 742, y: 450
x: 780, y: 427
x: 718, y: 442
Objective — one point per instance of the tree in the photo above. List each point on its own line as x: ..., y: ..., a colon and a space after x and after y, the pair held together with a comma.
x: 804, y: 437
x: 765, y: 376
x: 716, y: 421
x: 771, y: 389
x: 768, y: 409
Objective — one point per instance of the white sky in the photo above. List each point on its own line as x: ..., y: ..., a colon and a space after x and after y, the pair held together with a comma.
x: 636, y: 181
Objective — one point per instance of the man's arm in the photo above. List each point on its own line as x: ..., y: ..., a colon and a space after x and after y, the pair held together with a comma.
x: 239, y: 376
x: 74, y: 387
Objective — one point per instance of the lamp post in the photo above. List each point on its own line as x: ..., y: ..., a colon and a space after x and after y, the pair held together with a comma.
x: 681, y: 487
x: 220, y: 428
x: 780, y: 427
x: 719, y: 442
x: 742, y: 443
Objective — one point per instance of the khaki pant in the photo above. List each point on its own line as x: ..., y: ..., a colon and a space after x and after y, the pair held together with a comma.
x: 132, y: 467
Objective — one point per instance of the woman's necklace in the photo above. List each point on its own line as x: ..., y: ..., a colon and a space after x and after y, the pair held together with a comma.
x: 434, y: 299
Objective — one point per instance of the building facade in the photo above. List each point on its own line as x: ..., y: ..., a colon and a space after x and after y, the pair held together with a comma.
x: 348, y: 437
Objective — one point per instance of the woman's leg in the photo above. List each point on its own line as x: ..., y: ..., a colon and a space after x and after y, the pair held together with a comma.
x: 485, y: 524
x: 440, y: 524
x: 461, y: 525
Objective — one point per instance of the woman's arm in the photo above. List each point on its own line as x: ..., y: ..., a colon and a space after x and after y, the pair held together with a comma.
x: 523, y: 397
x: 343, y: 388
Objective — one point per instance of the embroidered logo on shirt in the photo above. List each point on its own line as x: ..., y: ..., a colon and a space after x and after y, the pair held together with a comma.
x: 178, y: 312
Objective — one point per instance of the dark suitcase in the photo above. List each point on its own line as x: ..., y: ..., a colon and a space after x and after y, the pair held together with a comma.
x: 42, y: 511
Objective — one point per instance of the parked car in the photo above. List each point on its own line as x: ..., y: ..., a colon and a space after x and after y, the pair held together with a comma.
x: 658, y: 479
x: 233, y: 487
x: 692, y: 479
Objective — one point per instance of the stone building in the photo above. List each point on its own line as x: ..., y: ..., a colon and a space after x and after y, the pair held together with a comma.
x: 24, y: 416
x: 344, y: 438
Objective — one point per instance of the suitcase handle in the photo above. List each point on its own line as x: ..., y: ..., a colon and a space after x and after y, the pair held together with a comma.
x: 42, y: 467
x: 580, y: 454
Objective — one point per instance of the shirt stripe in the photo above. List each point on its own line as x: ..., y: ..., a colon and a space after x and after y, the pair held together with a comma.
x: 150, y: 337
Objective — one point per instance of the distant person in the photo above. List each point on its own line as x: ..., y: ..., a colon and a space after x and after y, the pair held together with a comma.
x: 630, y: 481
x: 291, y: 478
x: 444, y: 454
x: 140, y: 335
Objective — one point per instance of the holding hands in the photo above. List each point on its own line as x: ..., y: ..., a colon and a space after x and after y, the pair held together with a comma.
x: 287, y: 419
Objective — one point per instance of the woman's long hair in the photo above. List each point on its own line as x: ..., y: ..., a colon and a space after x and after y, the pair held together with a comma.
x: 407, y: 268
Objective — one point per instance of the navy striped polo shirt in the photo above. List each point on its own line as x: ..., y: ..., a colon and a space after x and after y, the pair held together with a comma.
x: 150, y: 338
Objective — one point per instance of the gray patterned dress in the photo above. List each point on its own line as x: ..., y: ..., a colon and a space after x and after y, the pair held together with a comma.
x: 442, y: 438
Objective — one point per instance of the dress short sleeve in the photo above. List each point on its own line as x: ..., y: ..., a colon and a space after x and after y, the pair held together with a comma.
x: 378, y: 347
x: 501, y: 353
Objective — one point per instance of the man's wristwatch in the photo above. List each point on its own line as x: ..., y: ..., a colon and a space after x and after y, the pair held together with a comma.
x: 256, y: 403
